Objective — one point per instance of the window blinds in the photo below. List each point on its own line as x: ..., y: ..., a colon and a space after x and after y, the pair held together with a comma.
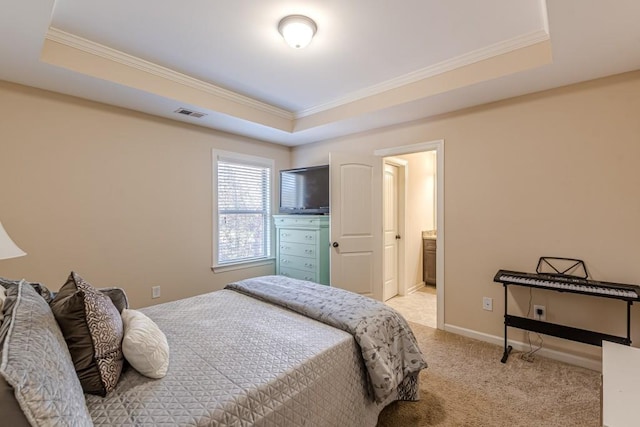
x: 244, y: 210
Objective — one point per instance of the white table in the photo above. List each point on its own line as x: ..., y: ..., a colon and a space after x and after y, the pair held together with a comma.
x: 620, y: 385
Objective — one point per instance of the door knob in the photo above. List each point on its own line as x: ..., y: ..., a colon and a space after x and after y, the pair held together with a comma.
x: 397, y: 237
x: 335, y: 244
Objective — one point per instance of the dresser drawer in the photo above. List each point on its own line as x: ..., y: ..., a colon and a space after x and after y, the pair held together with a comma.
x: 298, y: 274
x: 298, y: 221
x: 298, y: 249
x: 299, y: 263
x: 298, y: 236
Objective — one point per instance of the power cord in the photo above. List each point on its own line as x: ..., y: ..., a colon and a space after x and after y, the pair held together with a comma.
x: 528, y: 356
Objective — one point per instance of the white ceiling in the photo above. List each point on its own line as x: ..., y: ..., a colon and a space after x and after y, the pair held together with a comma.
x: 360, y: 72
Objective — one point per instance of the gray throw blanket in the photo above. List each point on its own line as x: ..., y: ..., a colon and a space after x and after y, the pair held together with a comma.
x: 389, y: 348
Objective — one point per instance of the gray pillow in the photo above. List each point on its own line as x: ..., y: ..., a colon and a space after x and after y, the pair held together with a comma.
x: 36, y: 362
x: 39, y: 287
x: 9, y: 406
x: 118, y: 297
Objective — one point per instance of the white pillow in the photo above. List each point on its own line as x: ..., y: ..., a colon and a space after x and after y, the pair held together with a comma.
x: 144, y: 345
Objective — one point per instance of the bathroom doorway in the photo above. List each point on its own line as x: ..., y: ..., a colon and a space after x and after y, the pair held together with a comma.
x: 413, y: 231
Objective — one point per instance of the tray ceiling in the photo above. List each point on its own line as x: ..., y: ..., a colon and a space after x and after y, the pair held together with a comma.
x: 372, y: 63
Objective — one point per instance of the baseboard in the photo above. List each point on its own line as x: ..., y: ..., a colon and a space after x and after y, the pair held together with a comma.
x: 571, y: 359
x: 415, y: 288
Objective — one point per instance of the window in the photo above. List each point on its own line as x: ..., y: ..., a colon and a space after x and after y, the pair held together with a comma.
x: 242, y: 208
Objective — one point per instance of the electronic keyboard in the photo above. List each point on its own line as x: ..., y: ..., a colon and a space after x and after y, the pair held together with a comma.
x: 566, y: 283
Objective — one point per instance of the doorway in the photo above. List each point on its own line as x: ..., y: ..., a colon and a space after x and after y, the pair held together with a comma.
x: 412, y: 219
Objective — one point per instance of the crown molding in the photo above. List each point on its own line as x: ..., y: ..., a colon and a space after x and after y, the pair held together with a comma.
x: 500, y: 48
x: 71, y: 40
x: 472, y: 57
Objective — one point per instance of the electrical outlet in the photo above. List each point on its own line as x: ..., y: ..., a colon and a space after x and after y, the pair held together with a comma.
x: 487, y: 303
x: 155, y: 292
x: 539, y: 312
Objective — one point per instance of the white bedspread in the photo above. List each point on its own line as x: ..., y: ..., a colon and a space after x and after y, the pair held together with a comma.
x: 238, y: 361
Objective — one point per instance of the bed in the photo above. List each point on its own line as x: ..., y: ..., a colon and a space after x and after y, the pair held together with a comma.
x: 268, y: 351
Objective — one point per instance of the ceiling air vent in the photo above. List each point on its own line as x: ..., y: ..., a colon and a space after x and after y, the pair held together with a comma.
x: 190, y: 113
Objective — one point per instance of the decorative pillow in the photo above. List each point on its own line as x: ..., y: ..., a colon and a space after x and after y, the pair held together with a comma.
x: 118, y: 297
x: 9, y: 406
x: 92, y: 328
x: 39, y: 287
x: 38, y: 381
x: 144, y: 345
x: 3, y: 296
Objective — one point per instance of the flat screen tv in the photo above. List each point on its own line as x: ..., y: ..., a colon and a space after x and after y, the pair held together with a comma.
x: 305, y: 190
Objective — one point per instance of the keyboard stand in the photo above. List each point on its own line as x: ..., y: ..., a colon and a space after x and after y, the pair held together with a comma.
x: 556, y: 330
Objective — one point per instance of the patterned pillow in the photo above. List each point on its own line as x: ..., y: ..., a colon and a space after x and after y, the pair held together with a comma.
x: 37, y: 381
x: 92, y: 328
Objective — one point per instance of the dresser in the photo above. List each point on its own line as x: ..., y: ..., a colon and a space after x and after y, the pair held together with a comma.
x: 302, y: 247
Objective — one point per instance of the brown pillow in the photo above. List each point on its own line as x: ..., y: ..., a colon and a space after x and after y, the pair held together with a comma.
x: 92, y: 327
x: 9, y: 406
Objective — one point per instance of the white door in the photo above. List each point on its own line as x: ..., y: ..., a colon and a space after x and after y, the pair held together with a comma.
x: 356, y: 223
x: 391, y: 231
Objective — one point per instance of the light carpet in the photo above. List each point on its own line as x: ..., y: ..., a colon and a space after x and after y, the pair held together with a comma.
x: 466, y: 385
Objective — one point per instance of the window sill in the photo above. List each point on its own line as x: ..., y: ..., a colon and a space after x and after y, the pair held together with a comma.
x: 242, y: 265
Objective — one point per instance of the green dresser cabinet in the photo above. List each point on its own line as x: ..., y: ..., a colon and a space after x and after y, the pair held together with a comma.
x: 302, y: 247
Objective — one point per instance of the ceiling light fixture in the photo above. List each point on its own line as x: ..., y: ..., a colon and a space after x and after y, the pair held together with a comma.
x: 297, y: 30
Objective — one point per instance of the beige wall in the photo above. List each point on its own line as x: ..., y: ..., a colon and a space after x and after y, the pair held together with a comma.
x: 125, y: 198
x: 550, y: 174
x: 120, y: 197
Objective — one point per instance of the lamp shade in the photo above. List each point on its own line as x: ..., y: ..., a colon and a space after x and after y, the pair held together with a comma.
x: 297, y: 30
x: 8, y: 249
